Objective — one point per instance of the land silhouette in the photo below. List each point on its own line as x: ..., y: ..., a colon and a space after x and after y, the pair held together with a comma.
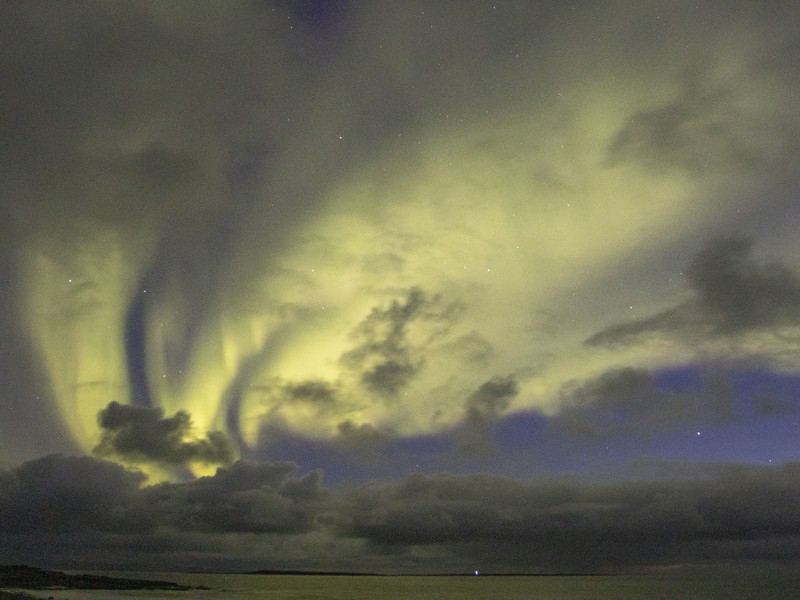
x: 33, y: 578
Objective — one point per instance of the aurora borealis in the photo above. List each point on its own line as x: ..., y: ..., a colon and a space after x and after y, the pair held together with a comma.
x: 378, y: 261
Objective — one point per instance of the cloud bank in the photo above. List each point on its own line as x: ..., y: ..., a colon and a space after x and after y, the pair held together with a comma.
x: 685, y: 515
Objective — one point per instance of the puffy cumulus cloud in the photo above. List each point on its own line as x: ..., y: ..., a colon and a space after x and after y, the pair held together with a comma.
x: 732, y: 295
x: 139, y: 434
x: 739, y: 513
x: 629, y: 402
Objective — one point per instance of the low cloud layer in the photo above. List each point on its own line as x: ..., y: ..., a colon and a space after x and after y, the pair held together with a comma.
x: 58, y: 494
x: 741, y: 512
x: 687, y: 514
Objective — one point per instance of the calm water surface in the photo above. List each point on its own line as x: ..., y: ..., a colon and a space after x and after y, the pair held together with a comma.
x: 761, y: 586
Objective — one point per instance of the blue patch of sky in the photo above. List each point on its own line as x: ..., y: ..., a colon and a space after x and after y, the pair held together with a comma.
x: 682, y: 379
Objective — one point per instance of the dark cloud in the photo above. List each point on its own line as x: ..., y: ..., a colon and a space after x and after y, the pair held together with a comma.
x: 141, y: 434
x: 696, y: 131
x: 714, y: 126
x: 363, y: 447
x: 386, y: 356
x: 739, y: 293
x: 313, y: 391
x: 363, y: 435
x: 471, y: 348
x: 482, y: 409
x: 242, y: 498
x: 60, y: 494
x: 315, y: 396
x: 677, y: 321
x: 628, y: 401
x: 731, y: 293
x: 685, y: 513
x: 581, y: 527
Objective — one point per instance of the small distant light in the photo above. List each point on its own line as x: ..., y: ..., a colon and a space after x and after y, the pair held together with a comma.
x: 476, y: 572
x: 698, y: 433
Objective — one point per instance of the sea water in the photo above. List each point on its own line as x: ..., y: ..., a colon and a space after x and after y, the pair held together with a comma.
x: 763, y: 585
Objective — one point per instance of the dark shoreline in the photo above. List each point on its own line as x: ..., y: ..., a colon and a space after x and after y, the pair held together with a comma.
x: 356, y: 574
x: 311, y: 573
x: 33, y: 578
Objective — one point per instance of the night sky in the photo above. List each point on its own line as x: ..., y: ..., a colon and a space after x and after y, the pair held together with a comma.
x: 394, y: 286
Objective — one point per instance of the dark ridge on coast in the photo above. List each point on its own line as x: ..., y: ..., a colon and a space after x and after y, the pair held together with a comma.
x: 15, y: 596
x: 32, y: 578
